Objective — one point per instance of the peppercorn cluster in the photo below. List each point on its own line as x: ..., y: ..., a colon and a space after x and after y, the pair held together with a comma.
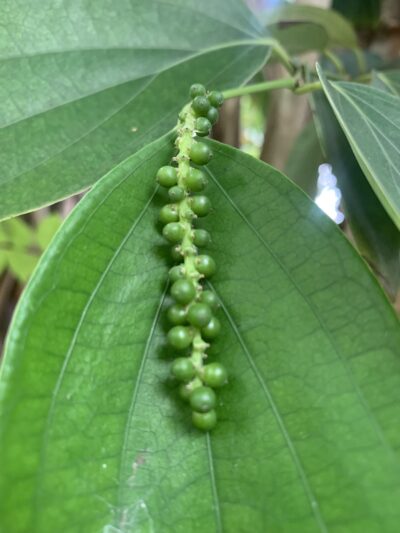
x: 193, y: 314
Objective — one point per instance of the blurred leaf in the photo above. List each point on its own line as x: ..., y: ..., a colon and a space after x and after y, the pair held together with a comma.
x: 19, y: 247
x: 304, y: 160
x: 363, y: 14
x: 86, y: 83
x: 388, y: 81
x: 339, y: 31
x: 46, y: 229
x: 93, y: 438
x: 370, y: 120
x: 376, y: 236
x: 301, y: 37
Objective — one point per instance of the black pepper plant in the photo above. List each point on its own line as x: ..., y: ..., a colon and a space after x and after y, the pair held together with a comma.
x: 292, y: 345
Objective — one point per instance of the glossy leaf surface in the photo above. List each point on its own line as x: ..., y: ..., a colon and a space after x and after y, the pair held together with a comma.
x: 83, y: 84
x: 370, y: 119
x: 94, y: 437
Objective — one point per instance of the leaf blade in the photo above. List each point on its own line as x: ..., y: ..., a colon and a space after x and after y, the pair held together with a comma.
x: 120, y: 451
x: 375, y: 150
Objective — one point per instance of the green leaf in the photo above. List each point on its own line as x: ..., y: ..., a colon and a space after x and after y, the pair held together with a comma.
x: 94, y: 437
x: 85, y: 84
x: 19, y: 247
x: 388, y: 81
x: 376, y: 236
x: 300, y: 38
x: 339, y: 31
x: 304, y: 160
x: 370, y: 120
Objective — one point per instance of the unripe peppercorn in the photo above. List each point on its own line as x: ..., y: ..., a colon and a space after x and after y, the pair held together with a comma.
x: 201, y: 238
x: 179, y: 337
x: 209, y: 298
x: 203, y: 399
x: 213, y: 115
x: 199, y: 314
x: 205, y: 421
x: 183, y: 369
x: 176, y: 194
x: 197, y: 90
x: 201, y: 105
x: 196, y: 180
x: 176, y: 253
x: 174, y: 232
x: 177, y: 314
x: 215, y: 375
x: 183, y: 291
x: 205, y: 264
x: 203, y: 126
x: 212, y: 329
x: 176, y: 272
x: 216, y: 98
x: 169, y: 213
x: 167, y: 176
x: 200, y: 153
x: 200, y: 205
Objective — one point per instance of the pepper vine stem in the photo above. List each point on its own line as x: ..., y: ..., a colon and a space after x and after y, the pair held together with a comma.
x: 282, y: 83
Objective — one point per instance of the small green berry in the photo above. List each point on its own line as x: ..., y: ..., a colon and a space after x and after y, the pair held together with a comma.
x: 176, y: 253
x: 176, y: 272
x: 201, y: 105
x: 203, y: 399
x: 209, y: 298
x: 179, y: 337
x: 205, y: 264
x: 183, y: 291
x: 216, y: 98
x: 200, y: 205
x: 177, y: 315
x: 201, y: 237
x: 169, y: 213
x: 215, y: 375
x: 185, y: 391
x: 200, y: 153
x: 213, y: 115
x: 212, y: 329
x: 204, y: 421
x: 203, y: 126
x: 197, y: 90
x: 174, y: 232
x: 176, y: 193
x: 183, y: 369
x: 196, y: 180
x: 167, y: 176
x: 199, y: 314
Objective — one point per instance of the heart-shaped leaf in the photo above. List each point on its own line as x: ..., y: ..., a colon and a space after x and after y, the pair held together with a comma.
x: 370, y: 119
x: 94, y: 437
x: 85, y: 84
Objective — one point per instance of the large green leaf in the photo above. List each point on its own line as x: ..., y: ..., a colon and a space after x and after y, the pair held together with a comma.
x: 86, y: 83
x: 94, y: 438
x: 370, y: 119
x: 339, y: 31
x: 376, y: 236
